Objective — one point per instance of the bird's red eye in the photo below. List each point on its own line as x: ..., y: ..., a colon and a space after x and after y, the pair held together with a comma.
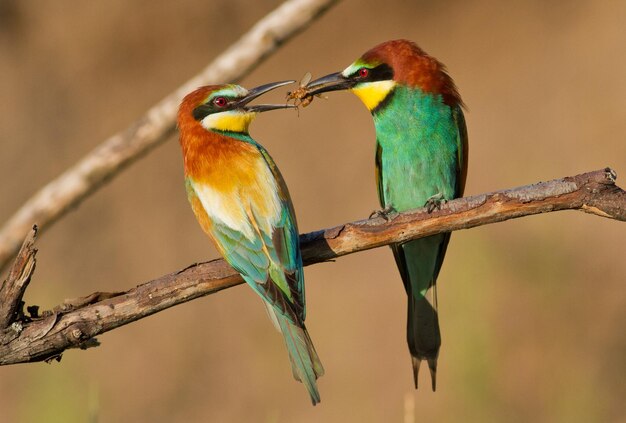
x: 364, y: 72
x: 220, y: 102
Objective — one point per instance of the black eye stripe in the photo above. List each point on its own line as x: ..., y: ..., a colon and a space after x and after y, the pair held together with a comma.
x: 381, y: 72
x: 201, y: 112
x: 210, y: 107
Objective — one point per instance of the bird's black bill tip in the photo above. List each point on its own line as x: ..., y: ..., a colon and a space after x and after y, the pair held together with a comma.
x: 332, y: 82
x: 259, y: 108
x: 261, y: 89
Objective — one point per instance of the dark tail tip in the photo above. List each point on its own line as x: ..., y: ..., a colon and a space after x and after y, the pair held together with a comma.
x: 432, y: 366
x: 315, y: 399
x: 416, y: 369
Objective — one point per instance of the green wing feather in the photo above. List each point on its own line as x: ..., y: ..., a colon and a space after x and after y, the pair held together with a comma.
x: 463, y: 150
x: 378, y: 167
x: 269, y: 263
x: 285, y: 241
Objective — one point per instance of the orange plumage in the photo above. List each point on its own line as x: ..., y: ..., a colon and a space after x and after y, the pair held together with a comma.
x: 210, y: 157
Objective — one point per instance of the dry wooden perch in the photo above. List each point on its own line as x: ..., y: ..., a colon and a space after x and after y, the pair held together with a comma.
x: 76, y: 322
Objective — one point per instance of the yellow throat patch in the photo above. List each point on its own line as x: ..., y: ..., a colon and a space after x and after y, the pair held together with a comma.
x: 230, y: 121
x: 372, y: 93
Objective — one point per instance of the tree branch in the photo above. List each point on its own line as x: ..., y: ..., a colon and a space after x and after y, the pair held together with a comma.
x: 80, y: 181
x: 76, y: 322
x: 13, y: 288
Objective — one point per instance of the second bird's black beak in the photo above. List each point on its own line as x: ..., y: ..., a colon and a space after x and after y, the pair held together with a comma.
x: 333, y: 82
x: 260, y: 90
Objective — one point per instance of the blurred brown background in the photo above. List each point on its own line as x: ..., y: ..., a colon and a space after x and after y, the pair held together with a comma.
x: 532, y: 311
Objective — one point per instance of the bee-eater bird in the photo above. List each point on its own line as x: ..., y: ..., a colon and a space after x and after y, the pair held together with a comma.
x: 241, y: 201
x: 421, y: 159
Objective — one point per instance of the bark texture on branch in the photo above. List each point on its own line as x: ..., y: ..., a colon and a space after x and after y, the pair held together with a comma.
x: 76, y: 322
x: 80, y: 181
x: 13, y: 288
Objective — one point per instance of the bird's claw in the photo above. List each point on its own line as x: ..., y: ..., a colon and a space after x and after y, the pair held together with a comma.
x: 435, y: 202
x: 384, y: 213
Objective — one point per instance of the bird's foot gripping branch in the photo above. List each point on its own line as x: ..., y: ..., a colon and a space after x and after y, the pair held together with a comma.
x: 42, y: 336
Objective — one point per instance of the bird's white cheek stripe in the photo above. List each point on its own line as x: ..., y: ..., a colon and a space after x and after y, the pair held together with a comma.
x: 372, y: 93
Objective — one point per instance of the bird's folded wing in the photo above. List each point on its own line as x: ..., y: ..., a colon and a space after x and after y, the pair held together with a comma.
x: 262, y: 259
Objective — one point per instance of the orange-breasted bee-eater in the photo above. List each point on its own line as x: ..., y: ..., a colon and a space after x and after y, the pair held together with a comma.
x: 421, y: 159
x: 241, y: 201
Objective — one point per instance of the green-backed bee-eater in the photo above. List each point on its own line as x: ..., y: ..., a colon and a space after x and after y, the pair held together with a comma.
x: 241, y: 201
x: 421, y: 159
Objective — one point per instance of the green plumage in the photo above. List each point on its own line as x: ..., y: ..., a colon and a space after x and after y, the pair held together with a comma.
x: 419, y: 154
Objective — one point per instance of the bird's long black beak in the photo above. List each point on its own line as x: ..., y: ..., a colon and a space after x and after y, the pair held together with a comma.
x: 260, y: 90
x: 333, y: 82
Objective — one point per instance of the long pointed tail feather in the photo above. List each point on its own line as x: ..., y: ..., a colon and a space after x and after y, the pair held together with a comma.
x: 419, y: 262
x: 305, y: 363
x: 432, y: 366
x: 423, y: 336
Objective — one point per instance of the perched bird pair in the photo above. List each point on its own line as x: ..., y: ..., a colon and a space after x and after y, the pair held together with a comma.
x: 242, y: 203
